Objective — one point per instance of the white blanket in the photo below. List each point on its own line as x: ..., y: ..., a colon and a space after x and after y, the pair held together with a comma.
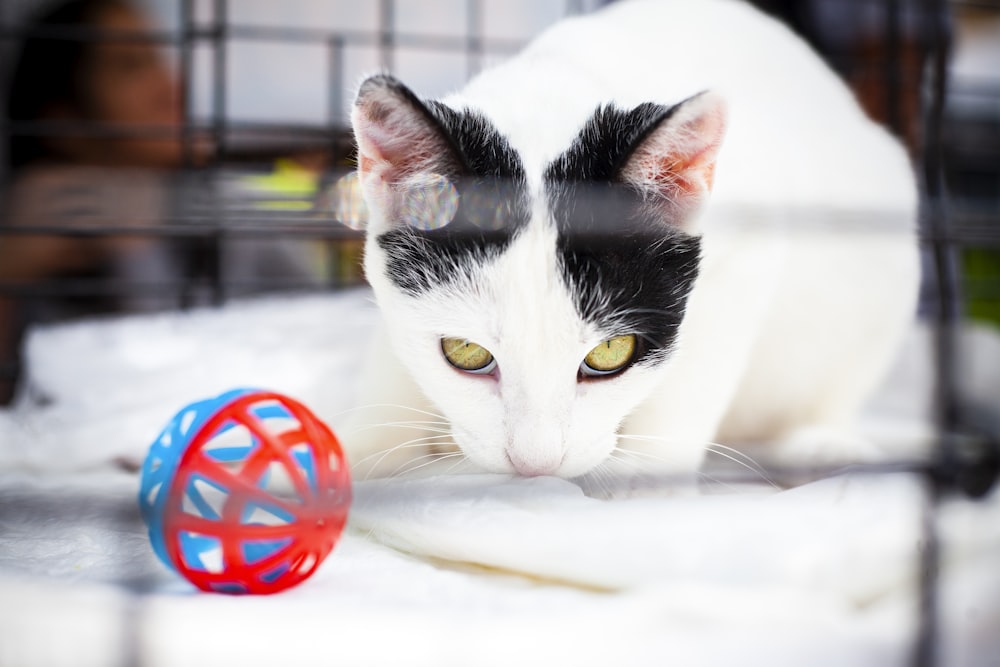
x: 476, y: 569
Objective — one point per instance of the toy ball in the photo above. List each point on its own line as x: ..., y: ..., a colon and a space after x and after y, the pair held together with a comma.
x: 245, y: 493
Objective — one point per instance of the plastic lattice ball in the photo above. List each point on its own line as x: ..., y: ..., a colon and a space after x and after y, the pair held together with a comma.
x: 245, y: 493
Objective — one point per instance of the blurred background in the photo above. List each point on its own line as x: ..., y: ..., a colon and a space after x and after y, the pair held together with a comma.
x: 163, y: 154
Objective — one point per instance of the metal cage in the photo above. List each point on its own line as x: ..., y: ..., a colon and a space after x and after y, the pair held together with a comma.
x: 227, y: 192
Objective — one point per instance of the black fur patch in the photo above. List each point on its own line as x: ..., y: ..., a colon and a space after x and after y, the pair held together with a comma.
x: 629, y: 270
x: 493, y: 206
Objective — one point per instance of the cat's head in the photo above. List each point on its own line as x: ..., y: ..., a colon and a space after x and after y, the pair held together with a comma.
x: 535, y: 305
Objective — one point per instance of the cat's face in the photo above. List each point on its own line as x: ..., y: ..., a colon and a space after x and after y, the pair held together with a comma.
x: 535, y: 311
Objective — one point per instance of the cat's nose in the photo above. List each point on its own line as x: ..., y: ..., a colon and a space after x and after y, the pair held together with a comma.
x: 535, y: 463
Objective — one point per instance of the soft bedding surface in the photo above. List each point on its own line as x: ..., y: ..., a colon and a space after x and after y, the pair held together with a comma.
x: 471, y: 569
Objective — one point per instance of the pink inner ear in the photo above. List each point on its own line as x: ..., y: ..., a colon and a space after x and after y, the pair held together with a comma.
x: 676, y: 164
x: 395, y: 142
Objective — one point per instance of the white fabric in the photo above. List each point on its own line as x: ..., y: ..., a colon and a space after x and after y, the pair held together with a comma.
x: 459, y: 570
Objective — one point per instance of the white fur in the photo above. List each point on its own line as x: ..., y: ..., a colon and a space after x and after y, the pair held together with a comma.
x: 808, y: 277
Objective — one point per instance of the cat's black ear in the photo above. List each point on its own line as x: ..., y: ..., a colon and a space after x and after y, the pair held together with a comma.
x: 674, y: 164
x: 398, y: 137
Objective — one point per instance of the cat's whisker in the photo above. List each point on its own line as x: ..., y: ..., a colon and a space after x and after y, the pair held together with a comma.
x: 428, y: 441
x: 435, y: 458
x: 641, y: 454
x: 638, y: 468
x: 423, y: 457
x: 726, y: 452
x: 602, y: 478
x: 639, y: 459
x: 715, y: 480
x: 462, y: 459
x: 742, y: 460
x: 430, y: 426
x: 748, y: 461
x: 759, y: 473
x: 409, y: 422
x: 418, y: 442
x: 371, y: 406
x: 606, y: 479
x: 652, y: 438
x: 593, y: 476
x: 635, y: 467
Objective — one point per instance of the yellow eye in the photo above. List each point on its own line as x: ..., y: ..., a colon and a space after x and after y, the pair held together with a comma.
x: 610, y: 356
x: 467, y: 356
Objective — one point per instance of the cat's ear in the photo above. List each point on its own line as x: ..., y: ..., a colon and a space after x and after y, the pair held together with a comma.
x: 399, y: 139
x: 674, y: 164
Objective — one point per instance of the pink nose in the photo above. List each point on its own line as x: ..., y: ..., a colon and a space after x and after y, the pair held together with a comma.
x: 534, y: 464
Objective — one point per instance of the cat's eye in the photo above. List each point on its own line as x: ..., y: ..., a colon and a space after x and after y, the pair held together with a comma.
x: 468, y: 356
x: 611, y: 356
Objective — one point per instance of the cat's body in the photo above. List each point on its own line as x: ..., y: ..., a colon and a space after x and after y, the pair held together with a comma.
x: 808, y: 262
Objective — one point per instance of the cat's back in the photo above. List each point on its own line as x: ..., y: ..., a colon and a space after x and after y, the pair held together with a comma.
x: 794, y: 132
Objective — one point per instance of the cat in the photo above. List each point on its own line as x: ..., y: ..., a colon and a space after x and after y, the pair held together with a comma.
x: 662, y: 225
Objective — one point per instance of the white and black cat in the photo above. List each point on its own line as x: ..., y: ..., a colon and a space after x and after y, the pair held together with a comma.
x: 662, y: 225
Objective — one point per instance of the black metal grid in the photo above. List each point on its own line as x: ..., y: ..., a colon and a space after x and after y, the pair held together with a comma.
x: 949, y: 152
x: 201, y: 215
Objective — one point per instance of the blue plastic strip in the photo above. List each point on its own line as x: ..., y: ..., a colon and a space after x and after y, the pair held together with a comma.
x: 204, y: 509
x: 307, y: 463
x: 274, y: 573
x: 193, y: 547
x: 229, y: 454
x: 255, y: 551
x: 271, y: 411
x: 160, y: 465
x: 232, y: 588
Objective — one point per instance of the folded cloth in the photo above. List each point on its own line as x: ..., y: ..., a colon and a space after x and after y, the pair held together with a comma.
x: 491, y: 570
